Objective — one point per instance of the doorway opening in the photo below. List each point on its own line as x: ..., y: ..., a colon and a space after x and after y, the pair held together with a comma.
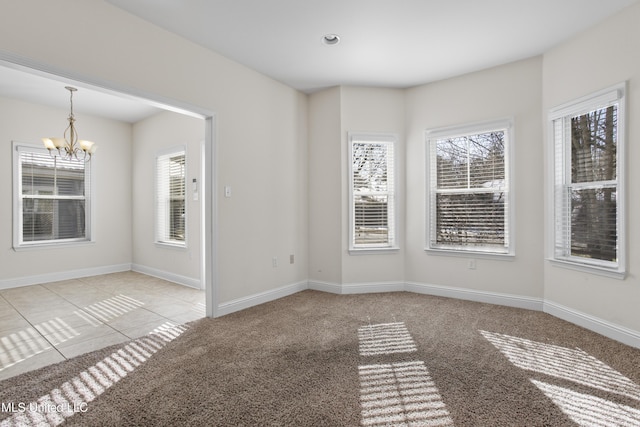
x: 40, y: 84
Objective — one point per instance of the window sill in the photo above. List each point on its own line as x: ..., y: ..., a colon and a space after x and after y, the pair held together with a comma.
x: 471, y: 254
x: 52, y: 245
x: 585, y: 268
x: 374, y: 251
x: 179, y: 246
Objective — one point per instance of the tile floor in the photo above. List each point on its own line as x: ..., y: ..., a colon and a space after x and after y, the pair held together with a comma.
x: 48, y: 323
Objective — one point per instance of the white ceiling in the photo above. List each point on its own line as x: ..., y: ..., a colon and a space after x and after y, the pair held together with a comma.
x: 46, y: 89
x: 389, y: 43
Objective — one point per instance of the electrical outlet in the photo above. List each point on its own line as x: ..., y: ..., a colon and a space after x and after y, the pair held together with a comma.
x: 471, y: 265
x: 274, y: 261
x: 291, y: 259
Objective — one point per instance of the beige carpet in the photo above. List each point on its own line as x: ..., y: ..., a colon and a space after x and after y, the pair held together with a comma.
x: 317, y: 359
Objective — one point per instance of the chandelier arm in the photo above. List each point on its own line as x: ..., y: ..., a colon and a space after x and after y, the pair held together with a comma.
x: 71, y: 147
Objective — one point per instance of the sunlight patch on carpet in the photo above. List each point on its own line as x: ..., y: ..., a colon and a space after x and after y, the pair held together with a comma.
x: 74, y: 395
x: 587, y: 410
x: 385, y: 338
x: 565, y: 363
x: 400, y: 394
x: 579, y: 367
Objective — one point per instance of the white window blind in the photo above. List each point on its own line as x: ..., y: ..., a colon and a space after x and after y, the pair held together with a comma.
x: 53, y: 198
x: 469, y: 190
x: 170, y: 197
x: 372, y: 191
x: 587, y: 176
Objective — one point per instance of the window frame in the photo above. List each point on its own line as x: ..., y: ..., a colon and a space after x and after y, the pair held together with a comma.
x: 390, y: 140
x: 613, y: 95
x: 431, y: 138
x: 158, y: 228
x: 18, y: 238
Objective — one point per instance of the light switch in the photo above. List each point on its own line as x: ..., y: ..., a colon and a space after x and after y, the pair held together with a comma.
x: 195, y: 189
x: 227, y: 191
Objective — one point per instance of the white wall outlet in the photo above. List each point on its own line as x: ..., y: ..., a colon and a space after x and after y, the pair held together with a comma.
x: 291, y: 259
x: 471, y: 265
x: 274, y: 261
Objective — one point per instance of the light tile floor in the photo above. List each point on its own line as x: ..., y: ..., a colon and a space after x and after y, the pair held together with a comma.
x: 52, y: 322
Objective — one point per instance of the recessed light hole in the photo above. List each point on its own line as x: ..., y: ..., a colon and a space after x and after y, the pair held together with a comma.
x: 330, y: 39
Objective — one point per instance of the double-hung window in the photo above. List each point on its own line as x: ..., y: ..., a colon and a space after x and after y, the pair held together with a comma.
x: 469, y: 190
x: 372, y: 192
x: 52, y: 198
x: 588, y: 197
x: 170, y: 197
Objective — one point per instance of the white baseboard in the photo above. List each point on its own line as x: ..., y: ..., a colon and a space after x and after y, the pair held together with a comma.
x: 356, y: 288
x: 517, y: 301
x: 165, y: 275
x: 63, y: 275
x: 508, y: 300
x: 602, y: 327
x: 261, y: 298
x: 371, y: 288
x: 332, y: 288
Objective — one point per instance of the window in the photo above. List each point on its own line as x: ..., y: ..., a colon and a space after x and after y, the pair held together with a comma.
x: 469, y: 197
x: 52, y: 201
x: 170, y: 197
x: 588, y: 199
x: 372, y: 196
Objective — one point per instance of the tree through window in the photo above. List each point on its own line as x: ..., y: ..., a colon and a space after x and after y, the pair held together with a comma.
x: 469, y: 190
x: 588, y: 217
x: 593, y: 161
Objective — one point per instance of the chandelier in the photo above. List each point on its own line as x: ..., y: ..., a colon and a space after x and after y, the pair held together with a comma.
x: 69, y: 147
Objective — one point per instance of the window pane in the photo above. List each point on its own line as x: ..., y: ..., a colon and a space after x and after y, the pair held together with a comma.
x: 593, y: 145
x: 371, y: 222
x: 70, y: 217
x: 369, y: 167
x: 50, y: 219
x: 37, y: 220
x: 37, y: 174
x: 473, y: 161
x: 176, y: 214
x: 593, y: 223
x: 476, y: 219
x: 70, y: 182
x: 43, y: 174
x: 486, y: 153
x: 453, y: 163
